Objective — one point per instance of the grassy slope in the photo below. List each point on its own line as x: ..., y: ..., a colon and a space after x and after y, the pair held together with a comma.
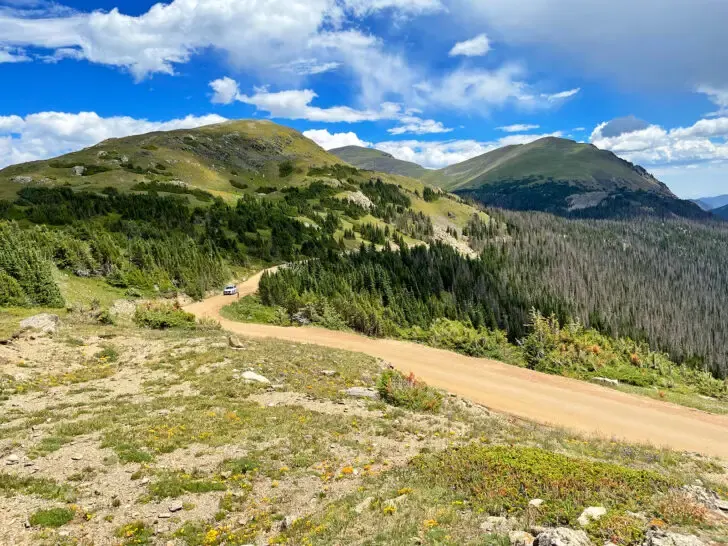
x: 375, y: 160
x: 163, y: 417
x: 555, y: 158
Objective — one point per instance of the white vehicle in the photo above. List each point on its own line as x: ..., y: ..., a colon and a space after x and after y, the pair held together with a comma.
x: 230, y: 290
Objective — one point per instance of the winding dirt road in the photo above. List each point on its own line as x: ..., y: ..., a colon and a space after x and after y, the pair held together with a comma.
x: 547, y: 399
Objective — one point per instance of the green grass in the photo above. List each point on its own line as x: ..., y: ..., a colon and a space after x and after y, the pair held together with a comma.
x: 136, y: 533
x: 173, y: 485
x: 250, y: 309
x: 52, y: 517
x: 12, y: 484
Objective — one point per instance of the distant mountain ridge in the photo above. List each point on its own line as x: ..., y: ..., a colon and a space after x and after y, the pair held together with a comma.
x: 711, y: 203
x: 376, y: 160
x: 554, y: 175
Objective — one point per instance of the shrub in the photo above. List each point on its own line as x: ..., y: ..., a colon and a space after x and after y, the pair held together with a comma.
x: 53, y: 517
x: 285, y: 169
x: 499, y: 479
x: 136, y: 532
x: 677, y: 508
x: 237, y: 184
x: 161, y: 316
x: 408, y: 392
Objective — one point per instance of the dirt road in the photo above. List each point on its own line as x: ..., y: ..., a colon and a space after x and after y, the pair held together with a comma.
x: 547, y: 399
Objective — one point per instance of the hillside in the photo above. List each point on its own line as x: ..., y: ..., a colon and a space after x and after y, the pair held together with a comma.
x: 721, y: 212
x: 563, y: 177
x: 184, y: 210
x: 711, y: 203
x: 376, y: 160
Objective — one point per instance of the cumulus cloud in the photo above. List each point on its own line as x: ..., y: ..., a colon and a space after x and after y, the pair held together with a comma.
x: 308, y: 67
x: 475, y: 47
x: 435, y: 155
x: 48, y: 134
x: 654, y: 145
x: 296, y: 104
x: 518, y: 128
x: 408, y: 7
x: 329, y: 141
x: 415, y: 125
x: 226, y: 91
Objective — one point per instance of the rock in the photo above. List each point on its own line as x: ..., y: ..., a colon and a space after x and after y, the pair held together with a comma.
x: 175, y: 507
x: 535, y: 502
x: 12, y: 459
x: 520, y: 538
x: 606, y: 380
x: 497, y: 524
x: 287, y: 522
x: 22, y: 179
x: 362, y: 392
x: 254, y: 377
x: 235, y: 343
x: 363, y: 505
x: 300, y: 318
x: 662, y: 538
x: 358, y: 198
x: 45, y: 322
x: 78, y: 170
x: 701, y: 495
x: 122, y: 309
x: 561, y: 536
x: 144, y: 481
x: 164, y: 516
x: 329, y: 373
x: 722, y: 505
x: 593, y: 513
x: 76, y: 457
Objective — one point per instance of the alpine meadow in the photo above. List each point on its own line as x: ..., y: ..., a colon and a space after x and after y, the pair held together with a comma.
x: 363, y: 272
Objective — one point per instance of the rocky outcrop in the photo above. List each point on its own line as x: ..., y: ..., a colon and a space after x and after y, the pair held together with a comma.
x: 45, y: 323
x: 362, y: 392
x: 78, y: 170
x: 22, y: 179
x: 562, y: 536
x: 593, y: 513
x: 663, y: 538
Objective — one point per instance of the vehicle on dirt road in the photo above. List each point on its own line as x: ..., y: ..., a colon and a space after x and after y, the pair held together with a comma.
x: 230, y: 290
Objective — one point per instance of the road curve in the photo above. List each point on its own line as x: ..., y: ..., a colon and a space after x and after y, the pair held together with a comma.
x: 548, y: 399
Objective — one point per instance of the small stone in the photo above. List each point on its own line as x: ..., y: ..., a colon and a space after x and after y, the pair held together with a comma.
x: 606, y: 380
x: 722, y: 505
x: 329, y: 373
x: 144, y: 481
x: 520, y: 538
x: 535, y: 502
x: 287, y: 522
x: 363, y: 505
x: 226, y: 474
x: 12, y: 459
x: 76, y: 457
x: 254, y: 377
x: 175, y: 507
x: 164, y: 516
x: 496, y: 524
x: 593, y: 513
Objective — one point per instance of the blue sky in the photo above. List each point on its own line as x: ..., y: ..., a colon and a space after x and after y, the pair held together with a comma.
x: 431, y: 81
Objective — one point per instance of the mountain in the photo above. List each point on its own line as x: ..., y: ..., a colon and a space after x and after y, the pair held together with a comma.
x: 376, y: 160
x: 710, y: 203
x: 721, y: 212
x: 562, y: 177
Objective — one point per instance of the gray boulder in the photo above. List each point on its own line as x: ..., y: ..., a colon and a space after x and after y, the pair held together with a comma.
x: 78, y: 170
x: 45, y: 322
x: 362, y: 392
x: 498, y: 525
x: 562, y: 536
x: 593, y: 513
x: 663, y: 538
x: 252, y: 377
x: 22, y: 179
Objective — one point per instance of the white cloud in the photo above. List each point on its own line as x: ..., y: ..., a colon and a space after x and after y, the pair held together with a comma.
x: 308, y: 67
x: 13, y: 55
x: 329, y: 141
x: 435, y: 155
x: 719, y: 97
x: 561, y: 95
x: 226, y: 91
x: 476, y: 47
x: 48, y: 134
x: 296, y: 104
x: 655, y: 145
x: 418, y: 126
x: 408, y: 7
x: 518, y: 128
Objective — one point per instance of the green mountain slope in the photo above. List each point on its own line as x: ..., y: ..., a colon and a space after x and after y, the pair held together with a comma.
x: 721, y: 212
x: 563, y: 177
x: 376, y: 160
